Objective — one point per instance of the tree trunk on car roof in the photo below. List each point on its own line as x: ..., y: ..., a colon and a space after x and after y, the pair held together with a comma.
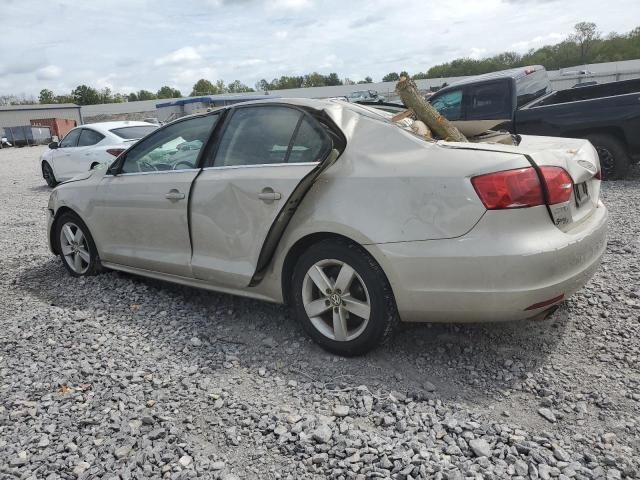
x: 439, y: 125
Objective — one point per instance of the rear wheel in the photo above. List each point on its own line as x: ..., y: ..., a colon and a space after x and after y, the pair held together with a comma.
x: 342, y: 298
x: 614, y: 159
x: 76, y: 246
x: 48, y: 175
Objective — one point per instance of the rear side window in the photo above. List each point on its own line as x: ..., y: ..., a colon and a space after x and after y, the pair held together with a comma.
x: 489, y: 102
x: 310, y: 143
x: 258, y: 136
x: 89, y: 137
x: 449, y: 104
x: 135, y: 132
x: 71, y: 140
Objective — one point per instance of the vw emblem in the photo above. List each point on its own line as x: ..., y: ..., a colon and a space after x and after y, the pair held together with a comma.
x: 335, y: 299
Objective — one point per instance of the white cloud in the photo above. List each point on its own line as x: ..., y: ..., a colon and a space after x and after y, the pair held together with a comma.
x: 180, y: 57
x: 49, y: 72
x: 291, y: 4
x: 176, y: 43
x: 537, y: 42
x: 477, y: 53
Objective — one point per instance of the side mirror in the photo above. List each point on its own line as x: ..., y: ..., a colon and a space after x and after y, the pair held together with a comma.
x: 114, y: 168
x: 53, y: 145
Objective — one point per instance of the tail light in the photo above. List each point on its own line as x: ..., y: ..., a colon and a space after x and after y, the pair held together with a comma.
x: 115, y: 151
x: 509, y: 189
x: 559, y: 184
x: 522, y: 188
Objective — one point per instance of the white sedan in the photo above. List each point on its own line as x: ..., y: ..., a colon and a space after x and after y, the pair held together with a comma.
x: 351, y: 220
x: 87, y: 146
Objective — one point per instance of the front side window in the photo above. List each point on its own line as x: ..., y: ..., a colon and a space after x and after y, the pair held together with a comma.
x: 89, y: 137
x: 258, y: 136
x: 71, y: 140
x: 175, y: 147
x: 449, y: 104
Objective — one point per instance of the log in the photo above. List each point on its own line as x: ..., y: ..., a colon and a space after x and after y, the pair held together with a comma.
x: 423, y: 110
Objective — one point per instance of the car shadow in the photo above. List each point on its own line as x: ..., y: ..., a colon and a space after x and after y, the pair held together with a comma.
x: 447, y: 361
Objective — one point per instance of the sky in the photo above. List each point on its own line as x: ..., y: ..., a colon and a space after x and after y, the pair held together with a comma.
x: 128, y: 45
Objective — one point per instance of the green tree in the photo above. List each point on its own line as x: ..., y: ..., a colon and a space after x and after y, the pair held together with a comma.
x: 106, y: 96
x: 204, y: 87
x: 46, y: 96
x: 314, y: 79
x: 84, y: 95
x: 146, y: 95
x: 332, y: 79
x: 63, y: 99
x: 168, y: 92
x: 391, y: 77
x: 238, y: 87
x: 132, y: 97
x: 263, y: 85
x: 584, y: 35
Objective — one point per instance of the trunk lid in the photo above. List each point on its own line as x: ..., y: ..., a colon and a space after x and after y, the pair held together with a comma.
x: 576, y: 156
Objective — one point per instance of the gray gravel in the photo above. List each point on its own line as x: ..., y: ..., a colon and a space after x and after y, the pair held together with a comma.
x: 120, y: 377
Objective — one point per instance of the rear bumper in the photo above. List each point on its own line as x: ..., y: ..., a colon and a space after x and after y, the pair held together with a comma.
x: 506, y: 264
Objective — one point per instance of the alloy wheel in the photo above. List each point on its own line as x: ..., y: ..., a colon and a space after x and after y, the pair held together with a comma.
x: 74, y: 248
x: 336, y: 300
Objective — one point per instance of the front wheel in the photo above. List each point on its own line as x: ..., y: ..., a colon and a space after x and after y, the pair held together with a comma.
x: 614, y: 159
x: 48, y: 175
x: 342, y: 298
x: 76, y: 247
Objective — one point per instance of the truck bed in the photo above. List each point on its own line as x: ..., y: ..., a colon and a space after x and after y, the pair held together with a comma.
x: 592, y: 92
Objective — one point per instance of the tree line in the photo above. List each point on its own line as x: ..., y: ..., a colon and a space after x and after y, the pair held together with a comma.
x: 584, y: 45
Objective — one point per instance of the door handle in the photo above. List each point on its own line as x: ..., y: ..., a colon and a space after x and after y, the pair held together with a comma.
x: 174, y: 195
x: 267, y: 195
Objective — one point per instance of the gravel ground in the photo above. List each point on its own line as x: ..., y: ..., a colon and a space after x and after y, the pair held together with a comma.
x: 116, y: 376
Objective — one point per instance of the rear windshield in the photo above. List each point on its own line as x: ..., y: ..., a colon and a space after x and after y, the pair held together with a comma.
x: 131, y: 133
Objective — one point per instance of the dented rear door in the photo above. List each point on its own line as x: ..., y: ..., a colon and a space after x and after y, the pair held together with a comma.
x: 267, y: 157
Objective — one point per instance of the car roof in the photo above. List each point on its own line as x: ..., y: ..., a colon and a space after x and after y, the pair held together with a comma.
x: 514, y: 73
x: 107, y: 126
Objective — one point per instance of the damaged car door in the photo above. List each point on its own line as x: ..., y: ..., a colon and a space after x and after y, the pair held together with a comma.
x: 267, y: 158
x: 141, y: 206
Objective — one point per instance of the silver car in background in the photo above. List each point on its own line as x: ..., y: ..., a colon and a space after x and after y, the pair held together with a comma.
x: 351, y: 220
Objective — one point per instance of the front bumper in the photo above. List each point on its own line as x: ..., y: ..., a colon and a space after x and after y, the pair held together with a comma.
x: 510, y: 261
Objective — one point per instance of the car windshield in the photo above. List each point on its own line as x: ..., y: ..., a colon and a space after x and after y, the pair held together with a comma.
x: 357, y: 94
x: 135, y: 132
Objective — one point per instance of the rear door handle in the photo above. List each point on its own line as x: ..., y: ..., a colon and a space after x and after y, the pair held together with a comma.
x: 174, y: 195
x: 268, y: 195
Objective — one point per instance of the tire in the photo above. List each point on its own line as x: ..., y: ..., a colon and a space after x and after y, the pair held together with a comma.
x: 368, y: 291
x: 48, y: 175
x: 614, y: 159
x: 79, y: 254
